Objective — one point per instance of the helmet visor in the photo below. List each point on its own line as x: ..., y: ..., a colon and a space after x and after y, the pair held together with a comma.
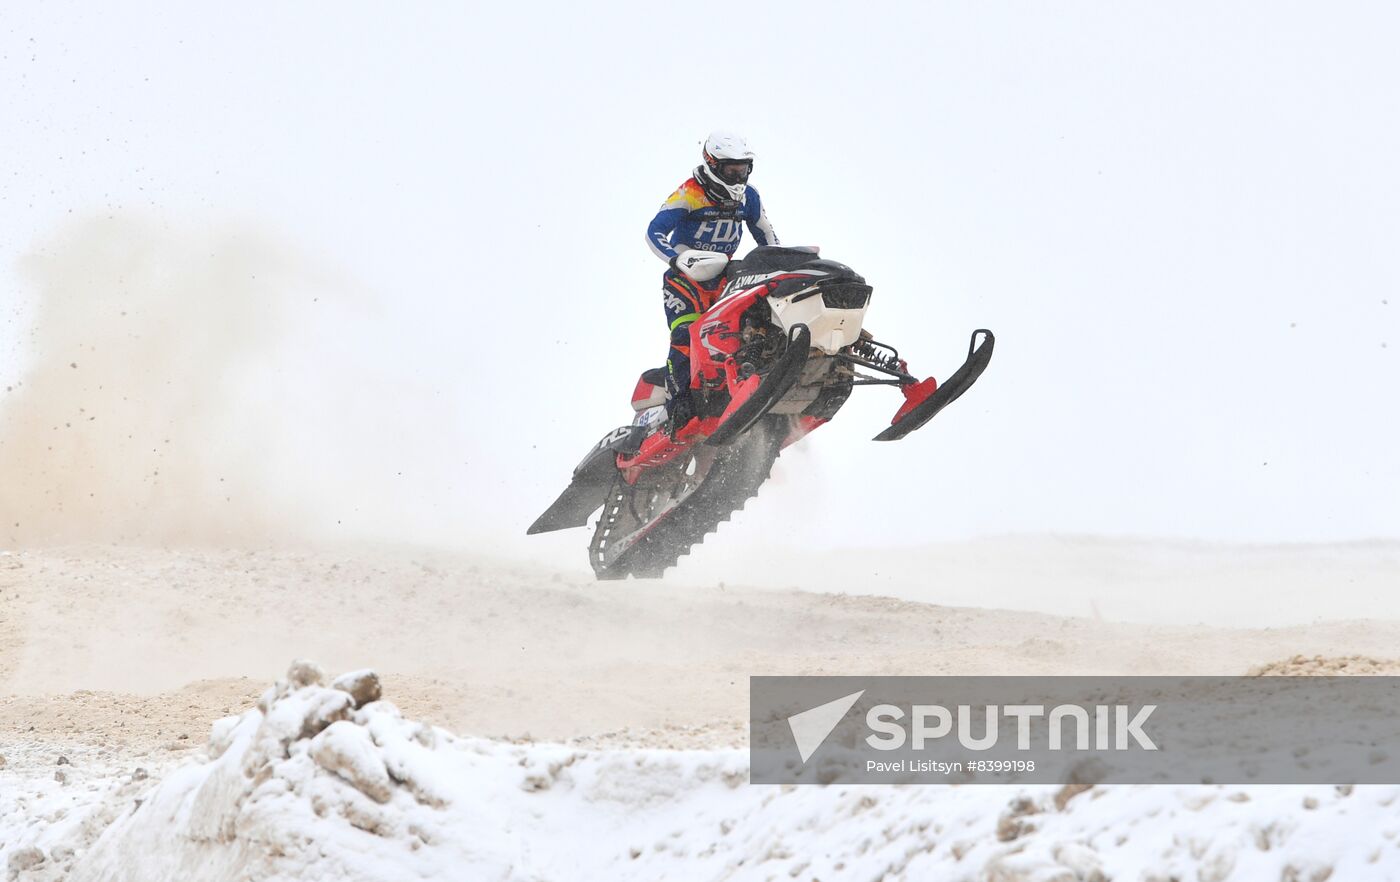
x: 733, y: 171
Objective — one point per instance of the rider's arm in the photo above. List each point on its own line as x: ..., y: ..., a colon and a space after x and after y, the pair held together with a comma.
x: 673, y: 210
x: 660, y: 229
x: 757, y: 220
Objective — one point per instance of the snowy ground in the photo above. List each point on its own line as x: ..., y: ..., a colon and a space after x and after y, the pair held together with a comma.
x: 323, y: 784
x: 600, y: 731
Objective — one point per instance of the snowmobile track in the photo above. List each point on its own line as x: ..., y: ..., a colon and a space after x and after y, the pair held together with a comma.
x: 734, y: 480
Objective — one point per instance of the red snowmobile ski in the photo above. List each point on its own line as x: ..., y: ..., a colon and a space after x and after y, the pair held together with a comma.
x: 774, y: 358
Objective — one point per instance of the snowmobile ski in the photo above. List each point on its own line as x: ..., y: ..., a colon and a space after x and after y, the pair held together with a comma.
x: 978, y: 356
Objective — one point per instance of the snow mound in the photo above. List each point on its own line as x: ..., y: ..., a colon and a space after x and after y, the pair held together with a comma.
x: 317, y: 782
x: 330, y: 782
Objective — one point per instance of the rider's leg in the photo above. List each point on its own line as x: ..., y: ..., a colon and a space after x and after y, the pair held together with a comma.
x: 684, y: 301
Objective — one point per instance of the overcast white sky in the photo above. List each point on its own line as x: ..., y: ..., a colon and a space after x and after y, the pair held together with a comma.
x: 1180, y: 219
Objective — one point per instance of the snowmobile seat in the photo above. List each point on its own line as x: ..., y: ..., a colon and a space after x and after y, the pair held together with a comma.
x: 651, y: 389
x: 771, y: 258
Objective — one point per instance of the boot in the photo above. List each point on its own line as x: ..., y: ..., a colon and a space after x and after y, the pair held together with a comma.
x: 682, y: 410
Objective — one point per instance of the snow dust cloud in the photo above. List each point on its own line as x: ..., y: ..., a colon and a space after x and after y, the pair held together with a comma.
x: 186, y: 385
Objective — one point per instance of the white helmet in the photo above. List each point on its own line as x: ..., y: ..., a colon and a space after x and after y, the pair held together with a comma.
x: 728, y: 163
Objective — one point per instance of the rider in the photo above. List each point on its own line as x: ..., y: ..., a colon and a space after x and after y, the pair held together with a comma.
x: 696, y: 231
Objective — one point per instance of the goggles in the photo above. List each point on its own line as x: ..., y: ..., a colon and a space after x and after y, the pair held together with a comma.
x: 733, y: 171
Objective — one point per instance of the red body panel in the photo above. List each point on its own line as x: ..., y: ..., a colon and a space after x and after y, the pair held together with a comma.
x: 657, y: 450
x: 714, y: 338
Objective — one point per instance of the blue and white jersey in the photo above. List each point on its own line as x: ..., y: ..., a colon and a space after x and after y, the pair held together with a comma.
x: 689, y: 219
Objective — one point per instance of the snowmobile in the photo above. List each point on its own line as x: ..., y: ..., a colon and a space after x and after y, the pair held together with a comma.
x: 776, y: 356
